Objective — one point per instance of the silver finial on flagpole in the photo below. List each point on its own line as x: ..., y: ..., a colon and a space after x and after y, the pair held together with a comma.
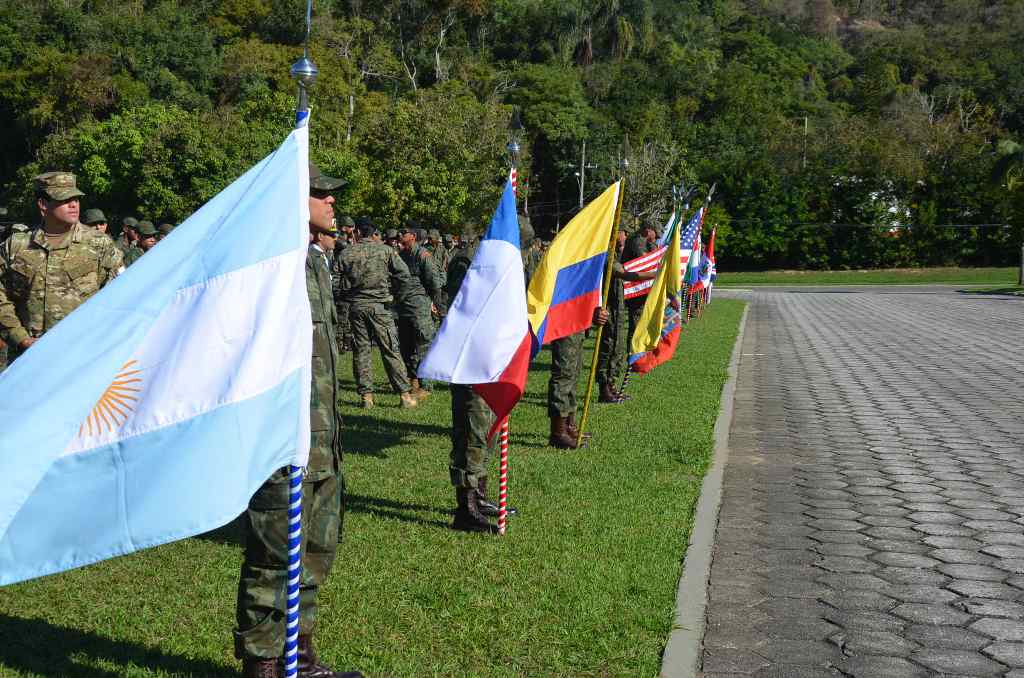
x: 304, y: 71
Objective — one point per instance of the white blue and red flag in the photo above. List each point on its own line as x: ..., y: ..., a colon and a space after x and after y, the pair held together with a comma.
x: 485, y: 338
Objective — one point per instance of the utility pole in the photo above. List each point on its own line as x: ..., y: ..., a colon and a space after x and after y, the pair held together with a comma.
x: 581, y: 175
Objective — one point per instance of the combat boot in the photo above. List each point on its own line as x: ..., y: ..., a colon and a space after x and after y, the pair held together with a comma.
x: 570, y: 428
x: 418, y: 391
x: 560, y: 436
x: 310, y: 666
x: 367, y: 400
x: 253, y: 667
x: 409, y: 400
x: 467, y: 516
x: 486, y: 506
x: 608, y: 395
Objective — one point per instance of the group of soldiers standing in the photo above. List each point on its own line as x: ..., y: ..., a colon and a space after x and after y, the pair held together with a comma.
x: 364, y: 289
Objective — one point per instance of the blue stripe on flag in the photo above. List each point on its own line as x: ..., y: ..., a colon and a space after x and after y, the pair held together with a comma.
x: 117, y: 507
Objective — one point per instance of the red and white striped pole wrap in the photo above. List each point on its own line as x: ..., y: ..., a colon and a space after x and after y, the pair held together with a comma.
x: 503, y: 478
x: 503, y: 441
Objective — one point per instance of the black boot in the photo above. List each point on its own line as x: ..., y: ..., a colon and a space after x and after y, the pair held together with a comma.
x: 261, y: 668
x: 560, y: 436
x: 467, y: 515
x: 608, y: 395
x: 310, y: 666
x: 486, y: 506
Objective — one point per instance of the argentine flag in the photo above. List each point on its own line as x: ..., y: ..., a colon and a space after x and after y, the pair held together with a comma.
x: 156, y: 409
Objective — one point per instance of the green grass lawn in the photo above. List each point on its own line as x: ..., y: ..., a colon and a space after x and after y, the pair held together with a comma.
x: 583, y: 584
x: 894, y: 276
x: 1015, y: 290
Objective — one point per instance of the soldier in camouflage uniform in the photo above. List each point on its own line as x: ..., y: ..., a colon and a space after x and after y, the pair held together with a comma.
x: 128, y: 236
x: 419, y: 303
x: 644, y: 241
x: 96, y: 219
x: 147, y: 235
x: 260, y: 635
x: 437, y: 250
x: 614, y: 347
x: 566, y: 364
x: 347, y: 228
x: 164, y: 230
x: 367, y: 271
x: 50, y: 271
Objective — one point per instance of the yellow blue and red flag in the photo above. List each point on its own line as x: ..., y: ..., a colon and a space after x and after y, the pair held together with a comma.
x: 657, y: 331
x: 566, y: 287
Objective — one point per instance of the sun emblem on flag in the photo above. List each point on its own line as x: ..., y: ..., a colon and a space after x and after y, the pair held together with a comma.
x: 116, y: 403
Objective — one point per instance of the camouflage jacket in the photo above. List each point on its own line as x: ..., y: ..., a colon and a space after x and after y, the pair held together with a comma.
x: 324, y: 417
x: 40, y: 285
x: 132, y: 254
x: 367, y: 272
x: 426, y: 284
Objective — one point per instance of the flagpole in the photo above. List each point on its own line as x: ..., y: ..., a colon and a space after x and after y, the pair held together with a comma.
x: 513, y: 148
x: 605, y: 288
x: 305, y: 73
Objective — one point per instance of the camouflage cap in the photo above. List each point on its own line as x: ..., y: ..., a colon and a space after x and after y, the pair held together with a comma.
x: 391, y: 234
x: 421, y: 234
x: 57, y: 185
x: 449, y: 238
x: 346, y: 221
x: 165, y: 229
x: 129, y: 222
x: 94, y: 216
x: 435, y: 234
x: 321, y: 182
x: 146, y: 228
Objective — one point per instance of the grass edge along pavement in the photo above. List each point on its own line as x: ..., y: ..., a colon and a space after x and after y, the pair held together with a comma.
x: 1006, y: 276
x: 682, y: 655
x: 583, y: 584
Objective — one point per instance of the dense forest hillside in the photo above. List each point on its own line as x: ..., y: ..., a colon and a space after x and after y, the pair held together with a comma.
x: 841, y: 133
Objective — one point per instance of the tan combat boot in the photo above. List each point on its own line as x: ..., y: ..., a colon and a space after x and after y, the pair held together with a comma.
x: 418, y: 391
x: 408, y: 400
x: 367, y: 401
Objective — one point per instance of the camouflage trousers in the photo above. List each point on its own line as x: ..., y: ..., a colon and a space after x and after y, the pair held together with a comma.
x: 262, y: 597
x: 471, y: 420
x: 374, y: 323
x: 633, y: 315
x: 3, y: 356
x: 566, y: 363
x: 611, y: 357
x: 415, y: 332
x: 344, y: 328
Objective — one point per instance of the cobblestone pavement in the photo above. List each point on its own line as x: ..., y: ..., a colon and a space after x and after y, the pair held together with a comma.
x: 872, y: 519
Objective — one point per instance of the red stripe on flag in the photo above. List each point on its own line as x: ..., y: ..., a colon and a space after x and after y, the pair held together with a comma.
x: 502, y: 395
x: 665, y: 349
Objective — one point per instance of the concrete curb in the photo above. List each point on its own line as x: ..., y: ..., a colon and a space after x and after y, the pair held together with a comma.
x: 683, y: 650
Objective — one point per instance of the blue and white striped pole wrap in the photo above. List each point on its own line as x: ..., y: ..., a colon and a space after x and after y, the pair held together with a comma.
x: 291, y: 644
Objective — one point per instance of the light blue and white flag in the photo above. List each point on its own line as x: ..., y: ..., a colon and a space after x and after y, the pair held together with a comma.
x: 156, y: 409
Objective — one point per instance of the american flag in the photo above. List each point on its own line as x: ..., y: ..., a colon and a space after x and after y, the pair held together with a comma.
x: 650, y: 261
